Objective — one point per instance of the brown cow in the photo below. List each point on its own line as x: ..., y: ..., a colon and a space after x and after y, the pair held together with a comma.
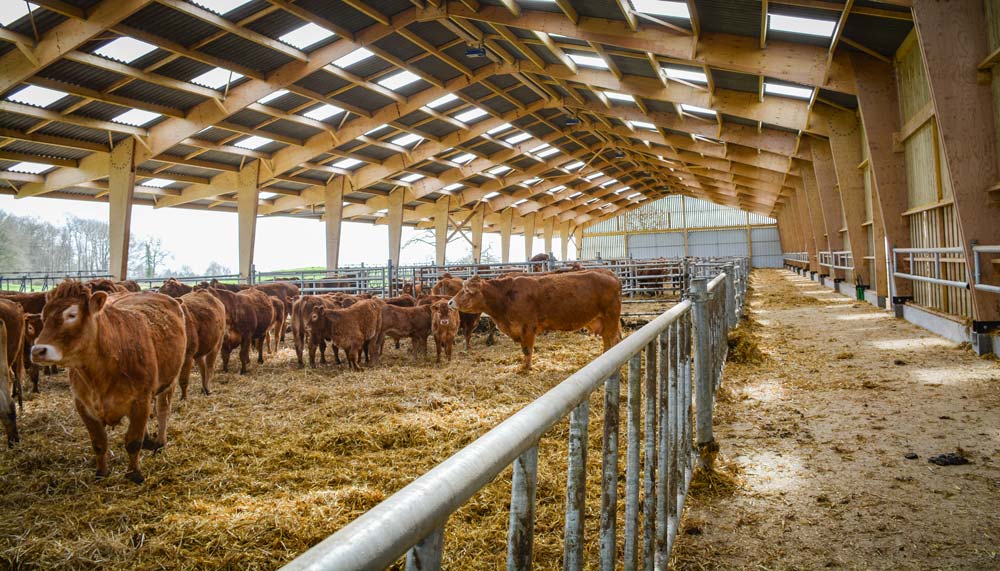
x: 32, y: 327
x: 105, y: 285
x: 122, y: 351
x: 206, y: 327
x: 411, y: 322
x: 444, y: 324
x: 8, y: 412
x: 241, y: 324
x: 317, y: 330
x: 130, y: 285
x: 277, y: 330
x: 354, y: 329
x: 524, y: 306
x: 228, y: 287
x: 13, y: 316
x: 449, y: 285
x: 281, y: 290
x: 174, y: 288
x: 30, y: 302
x: 405, y: 300
x: 260, y: 304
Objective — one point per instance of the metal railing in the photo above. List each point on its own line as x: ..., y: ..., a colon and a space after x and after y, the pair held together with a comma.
x: 25, y: 282
x: 927, y: 256
x: 977, y: 274
x: 676, y: 361
x: 796, y: 257
x: 836, y: 259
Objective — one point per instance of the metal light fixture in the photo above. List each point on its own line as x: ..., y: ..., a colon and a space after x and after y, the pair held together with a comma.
x: 570, y: 121
x: 475, y: 51
x: 619, y: 155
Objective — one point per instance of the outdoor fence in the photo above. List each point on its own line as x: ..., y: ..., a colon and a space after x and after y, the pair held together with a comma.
x: 674, y: 366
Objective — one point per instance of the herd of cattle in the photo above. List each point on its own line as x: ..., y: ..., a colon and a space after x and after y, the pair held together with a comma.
x: 126, y: 349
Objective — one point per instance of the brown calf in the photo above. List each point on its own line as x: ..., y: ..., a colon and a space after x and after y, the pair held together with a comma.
x: 13, y: 316
x: 206, y: 328
x: 174, y: 288
x: 130, y: 285
x: 30, y: 302
x: 354, y: 329
x: 277, y: 330
x: 105, y: 285
x: 260, y: 304
x: 8, y: 412
x: 448, y: 286
x: 228, y: 287
x: 122, y: 351
x: 241, y: 324
x: 411, y: 322
x: 32, y: 327
x: 444, y: 324
x: 316, y: 327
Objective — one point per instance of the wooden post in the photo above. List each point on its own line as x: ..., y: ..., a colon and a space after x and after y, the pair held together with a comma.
x: 878, y: 102
x: 953, y: 40
x: 396, y: 199
x: 121, y: 189
x: 529, y: 236
x: 578, y: 236
x: 805, y: 219
x: 477, y: 233
x: 506, y: 222
x: 684, y: 223
x: 549, y: 231
x: 564, y: 240
x: 749, y: 239
x: 247, y: 193
x: 826, y: 182
x: 441, y: 230
x: 845, y: 145
x: 333, y: 199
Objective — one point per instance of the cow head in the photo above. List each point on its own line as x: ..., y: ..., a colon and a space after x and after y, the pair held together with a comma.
x: 32, y: 327
x: 441, y: 313
x: 68, y: 325
x: 470, y: 298
x: 174, y: 288
x: 8, y: 412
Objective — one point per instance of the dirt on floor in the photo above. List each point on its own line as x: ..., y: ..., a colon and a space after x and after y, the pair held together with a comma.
x: 815, y: 440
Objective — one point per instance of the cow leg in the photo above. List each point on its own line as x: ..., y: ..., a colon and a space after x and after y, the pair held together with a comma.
x: 98, y: 438
x: 205, y: 364
x: 322, y: 351
x: 185, y: 376
x: 33, y: 372
x: 162, y: 415
x: 490, y: 336
x: 467, y: 331
x: 336, y: 354
x: 527, y: 347
x: 397, y: 343
x: 134, y: 437
x: 244, y: 353
x: 267, y: 341
x: 437, y: 345
x: 449, y: 345
x: 259, y: 345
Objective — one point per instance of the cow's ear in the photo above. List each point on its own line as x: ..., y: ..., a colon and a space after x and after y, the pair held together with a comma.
x: 97, y: 301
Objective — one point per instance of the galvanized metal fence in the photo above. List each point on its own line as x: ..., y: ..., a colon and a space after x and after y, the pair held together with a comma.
x: 978, y: 251
x: 674, y: 366
x: 25, y: 282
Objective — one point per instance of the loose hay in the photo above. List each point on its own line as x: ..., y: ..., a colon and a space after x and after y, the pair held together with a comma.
x: 744, y: 343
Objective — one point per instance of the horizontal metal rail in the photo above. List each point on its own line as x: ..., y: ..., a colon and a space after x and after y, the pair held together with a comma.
x: 977, y: 274
x: 684, y: 352
x: 927, y: 256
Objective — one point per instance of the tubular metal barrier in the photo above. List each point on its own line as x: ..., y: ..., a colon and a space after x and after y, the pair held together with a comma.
x: 977, y: 274
x: 930, y: 256
x: 676, y: 361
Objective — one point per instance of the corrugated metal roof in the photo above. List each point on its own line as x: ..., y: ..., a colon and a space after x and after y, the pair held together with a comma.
x: 735, y: 81
x: 365, y: 99
x: 740, y: 17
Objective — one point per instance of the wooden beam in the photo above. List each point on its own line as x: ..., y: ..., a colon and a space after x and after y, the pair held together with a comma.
x: 333, y: 212
x: 247, y: 195
x: 121, y: 190
x: 441, y: 208
x: 529, y: 237
x: 506, y: 221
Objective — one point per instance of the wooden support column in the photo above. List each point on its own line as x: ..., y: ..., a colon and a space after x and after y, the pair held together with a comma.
x: 477, y: 233
x: 809, y: 231
x: 506, y: 222
x: 749, y: 239
x: 880, y: 254
x: 817, y: 224
x: 684, y: 224
x: 878, y: 102
x: 247, y: 194
x: 396, y: 199
x: 845, y: 144
x: 826, y: 183
x: 953, y: 41
x: 564, y: 240
x: 578, y: 237
x: 529, y: 236
x: 550, y: 228
x: 441, y: 230
x: 121, y: 189
x: 333, y: 213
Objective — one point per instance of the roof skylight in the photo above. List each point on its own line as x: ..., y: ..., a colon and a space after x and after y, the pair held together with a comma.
x: 609, y: 183
x: 556, y: 189
x: 156, y: 183
x: 220, y: 6
x: 532, y: 181
x: 619, y: 96
x: 696, y: 109
x: 413, y: 177
x: 323, y: 112
x: 36, y: 96
x: 592, y: 176
x: 685, y: 75
x: 518, y: 138
x: 136, y: 117
x: 787, y: 90
x: 306, y: 36
x: 463, y: 158
x: 29, y: 168
x: 642, y: 125
x: 499, y: 129
x: 14, y: 11
x: 705, y: 139
x: 442, y: 101
x: 547, y: 152
x: 520, y: 202
x: 352, y: 58
x: 573, y: 166
x: 253, y: 143
x: 406, y: 140
x: 398, y: 80
x: 491, y: 195
x: 268, y: 98
x: 588, y: 61
x: 216, y: 78
x: 346, y: 163
x: 662, y: 8
x: 575, y: 194
x: 471, y: 115
x: 498, y: 170
x: 799, y: 25
x: 376, y: 129
x: 633, y: 195
x: 453, y: 186
x: 125, y: 49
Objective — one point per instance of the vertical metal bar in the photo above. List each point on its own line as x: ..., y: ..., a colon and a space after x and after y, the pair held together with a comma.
x: 632, y: 465
x: 521, y: 533
x: 649, y: 468
x: 730, y: 305
x: 576, y: 487
x: 609, y: 470
x: 426, y: 555
x: 687, y: 428
x: 703, y: 361
x: 666, y: 366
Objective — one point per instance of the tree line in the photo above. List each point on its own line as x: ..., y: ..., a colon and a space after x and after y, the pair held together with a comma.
x: 81, y: 245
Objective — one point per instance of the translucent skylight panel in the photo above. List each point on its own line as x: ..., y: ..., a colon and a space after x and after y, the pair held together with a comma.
x: 136, y: 117
x: 685, y: 75
x: 491, y: 195
x: 37, y: 96
x: 442, y: 101
x: 406, y: 140
x: 306, y: 36
x: 591, y: 201
x: 352, y: 58
x: 13, y: 10
x: 220, y: 6
x: 253, y: 143
x: 532, y: 181
x: 29, y: 168
x: 787, y: 90
x: 633, y: 195
x: 518, y: 138
x: 609, y: 183
x: 125, y: 49
x: 547, y: 152
x: 156, y: 182
x: 268, y: 98
x: 323, y: 112
x: 520, y: 202
x: 575, y: 194
x: 398, y: 80
x: 346, y: 163
x: 662, y: 8
x: 471, y: 115
x: 643, y: 125
x: 557, y: 189
x: 799, y: 25
x: 539, y: 148
x: 706, y: 139
x: 619, y: 96
x: 463, y: 158
x: 573, y: 166
x: 498, y: 170
x: 376, y: 129
x: 216, y: 78
x: 453, y: 186
x: 413, y: 177
x: 588, y: 61
x: 696, y: 109
x: 499, y: 129
x: 592, y: 176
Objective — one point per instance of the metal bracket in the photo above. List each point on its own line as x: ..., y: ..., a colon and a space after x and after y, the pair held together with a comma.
x: 902, y: 299
x: 985, y: 326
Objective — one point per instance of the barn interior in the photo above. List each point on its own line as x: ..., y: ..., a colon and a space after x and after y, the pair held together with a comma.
x: 846, y: 149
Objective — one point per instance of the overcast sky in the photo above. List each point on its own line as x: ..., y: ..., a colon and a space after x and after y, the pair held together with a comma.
x: 197, y: 238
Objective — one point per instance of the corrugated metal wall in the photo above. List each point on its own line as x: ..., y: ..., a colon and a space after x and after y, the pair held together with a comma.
x: 713, y: 230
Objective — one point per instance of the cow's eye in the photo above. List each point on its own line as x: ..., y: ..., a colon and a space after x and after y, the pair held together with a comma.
x: 70, y: 314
